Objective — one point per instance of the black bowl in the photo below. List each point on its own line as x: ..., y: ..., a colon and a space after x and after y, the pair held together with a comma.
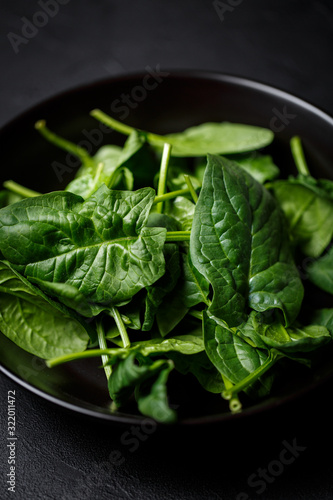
x: 159, y: 102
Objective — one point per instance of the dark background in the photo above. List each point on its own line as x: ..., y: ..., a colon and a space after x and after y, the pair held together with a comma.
x: 62, y: 456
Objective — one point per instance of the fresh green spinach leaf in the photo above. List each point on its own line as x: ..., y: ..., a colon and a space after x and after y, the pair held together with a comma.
x: 99, y: 246
x: 239, y: 244
x: 35, y: 322
x: 309, y: 212
x: 237, y: 360
x: 320, y: 271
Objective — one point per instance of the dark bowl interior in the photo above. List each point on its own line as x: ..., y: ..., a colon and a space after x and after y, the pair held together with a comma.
x: 179, y: 100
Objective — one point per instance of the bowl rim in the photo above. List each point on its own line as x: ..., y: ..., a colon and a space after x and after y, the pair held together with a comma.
x: 175, y: 74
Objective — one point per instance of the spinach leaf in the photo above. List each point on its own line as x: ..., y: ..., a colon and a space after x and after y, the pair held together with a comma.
x: 151, y: 396
x: 176, y: 178
x: 147, y: 377
x: 194, y: 288
x: 184, y: 344
x: 127, y: 374
x: 170, y: 313
x: 7, y: 198
x: 182, y: 210
x: 269, y: 332
x: 109, y: 167
x: 211, y: 137
x: 237, y: 360
x: 97, y: 172
x: 320, y: 271
x: 323, y: 317
x: 261, y: 167
x: 201, y: 367
x: 239, y: 244
x: 167, y: 282
x: 309, y: 211
x: 190, y: 290
x: 99, y: 246
x: 35, y: 322
x: 218, y: 138
x: 147, y: 380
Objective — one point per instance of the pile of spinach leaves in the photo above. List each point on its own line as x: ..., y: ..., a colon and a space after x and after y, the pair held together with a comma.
x: 176, y: 253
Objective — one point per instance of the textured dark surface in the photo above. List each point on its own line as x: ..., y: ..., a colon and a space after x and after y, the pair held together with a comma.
x: 60, y: 456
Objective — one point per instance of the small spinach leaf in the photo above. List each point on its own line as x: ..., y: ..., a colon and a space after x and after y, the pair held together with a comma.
x: 320, y: 271
x: 309, y: 212
x: 151, y: 396
x: 236, y: 359
x: 271, y: 333
x: 261, y: 167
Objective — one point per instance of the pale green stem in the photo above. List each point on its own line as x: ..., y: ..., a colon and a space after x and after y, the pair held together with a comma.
x: 21, y: 190
x: 111, y: 122
x: 195, y: 314
x: 123, y: 128
x: 121, y: 327
x: 234, y: 404
x: 64, y: 144
x: 298, y: 155
x: 90, y: 353
x: 170, y: 195
x: 99, y: 170
x: 191, y: 188
x: 103, y: 345
x: 161, y: 188
x: 178, y: 236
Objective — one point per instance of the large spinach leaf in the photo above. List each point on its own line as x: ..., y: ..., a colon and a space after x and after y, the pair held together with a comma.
x: 239, y: 244
x: 99, y: 246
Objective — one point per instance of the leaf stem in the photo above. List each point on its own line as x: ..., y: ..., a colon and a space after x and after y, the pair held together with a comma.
x: 64, y: 144
x: 234, y: 404
x: 123, y: 128
x: 103, y: 345
x: 121, y: 327
x: 298, y: 155
x: 163, y: 175
x: 178, y: 236
x: 21, y: 190
x: 252, y: 377
x: 89, y: 353
x: 191, y: 187
x: 99, y: 170
x: 111, y: 122
x: 195, y: 314
x: 170, y: 195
